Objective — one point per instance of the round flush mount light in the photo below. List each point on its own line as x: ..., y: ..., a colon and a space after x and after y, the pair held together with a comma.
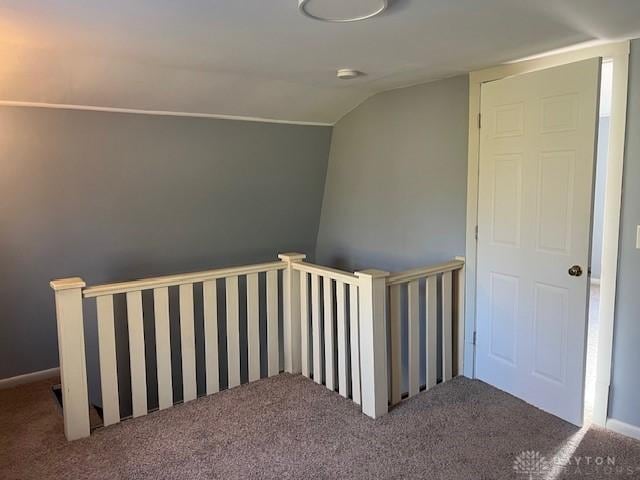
x: 348, y: 73
x: 341, y: 11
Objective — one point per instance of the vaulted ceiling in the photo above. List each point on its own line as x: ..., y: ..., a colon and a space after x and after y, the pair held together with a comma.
x: 262, y: 58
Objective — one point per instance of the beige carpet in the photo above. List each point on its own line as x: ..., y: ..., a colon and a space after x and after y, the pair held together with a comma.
x: 289, y: 427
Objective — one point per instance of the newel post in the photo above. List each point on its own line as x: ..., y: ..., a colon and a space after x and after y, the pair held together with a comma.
x: 373, y: 342
x: 73, y: 370
x: 291, y: 312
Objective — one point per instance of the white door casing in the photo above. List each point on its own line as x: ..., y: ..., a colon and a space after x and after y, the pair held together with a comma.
x: 537, y: 148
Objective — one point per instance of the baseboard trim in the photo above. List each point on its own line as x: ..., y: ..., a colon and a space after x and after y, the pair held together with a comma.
x: 29, y: 378
x: 623, y: 428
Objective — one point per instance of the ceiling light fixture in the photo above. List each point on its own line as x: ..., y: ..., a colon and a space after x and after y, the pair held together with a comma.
x: 339, y: 11
x: 348, y: 73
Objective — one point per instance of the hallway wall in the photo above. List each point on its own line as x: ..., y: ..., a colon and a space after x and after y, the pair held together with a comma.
x: 115, y: 196
x: 395, y: 194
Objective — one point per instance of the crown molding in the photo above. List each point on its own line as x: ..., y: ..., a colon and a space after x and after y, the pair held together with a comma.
x: 167, y: 113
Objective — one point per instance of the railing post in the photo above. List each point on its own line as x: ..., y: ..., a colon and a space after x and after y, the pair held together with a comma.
x: 291, y: 312
x: 373, y: 342
x: 73, y: 370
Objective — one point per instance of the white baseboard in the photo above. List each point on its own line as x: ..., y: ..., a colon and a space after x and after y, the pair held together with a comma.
x: 29, y: 378
x: 623, y: 428
x: 595, y: 281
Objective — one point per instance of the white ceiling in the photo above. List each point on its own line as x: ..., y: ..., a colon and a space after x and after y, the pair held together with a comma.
x: 261, y: 58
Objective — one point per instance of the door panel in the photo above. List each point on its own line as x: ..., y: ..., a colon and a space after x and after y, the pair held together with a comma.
x: 556, y: 174
x: 550, y: 332
x: 507, y: 186
x: 504, y: 311
x: 534, y: 222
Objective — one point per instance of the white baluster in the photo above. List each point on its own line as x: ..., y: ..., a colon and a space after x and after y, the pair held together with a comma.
x: 431, y: 330
x: 188, y: 343
x: 447, y: 320
x: 163, y: 347
x: 108, y: 364
x: 354, y: 343
x: 305, y: 361
x: 330, y: 368
x: 315, y: 326
x: 273, y: 354
x: 253, y: 326
x: 414, y: 338
x: 136, y: 353
x: 210, y: 304
x: 460, y: 274
x: 396, y: 343
x: 233, y: 332
x: 343, y: 365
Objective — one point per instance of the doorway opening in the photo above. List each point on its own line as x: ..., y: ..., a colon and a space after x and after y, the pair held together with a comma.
x: 606, y: 83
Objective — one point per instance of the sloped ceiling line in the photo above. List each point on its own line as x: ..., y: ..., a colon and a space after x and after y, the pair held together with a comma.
x: 264, y: 60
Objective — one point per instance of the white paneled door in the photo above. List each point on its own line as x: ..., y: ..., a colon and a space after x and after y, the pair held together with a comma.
x: 534, y: 226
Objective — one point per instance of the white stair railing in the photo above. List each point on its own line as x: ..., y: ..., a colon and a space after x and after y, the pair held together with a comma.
x: 69, y: 294
x: 342, y: 332
x: 334, y: 330
x: 451, y: 326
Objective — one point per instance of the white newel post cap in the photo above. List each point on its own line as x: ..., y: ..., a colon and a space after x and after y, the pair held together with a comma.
x: 292, y: 257
x: 67, y: 283
x: 372, y: 273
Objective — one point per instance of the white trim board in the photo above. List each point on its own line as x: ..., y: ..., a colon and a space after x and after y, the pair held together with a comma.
x: 94, y: 108
x: 619, y: 53
x: 28, y: 378
x: 623, y: 428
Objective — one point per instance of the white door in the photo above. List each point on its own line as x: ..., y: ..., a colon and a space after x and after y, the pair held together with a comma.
x: 534, y: 223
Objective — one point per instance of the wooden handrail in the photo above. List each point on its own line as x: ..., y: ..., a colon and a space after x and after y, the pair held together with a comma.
x: 417, y: 273
x: 333, y: 273
x: 179, y: 279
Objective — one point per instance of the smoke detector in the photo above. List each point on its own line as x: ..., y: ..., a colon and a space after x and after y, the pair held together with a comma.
x: 341, y: 11
x: 348, y: 73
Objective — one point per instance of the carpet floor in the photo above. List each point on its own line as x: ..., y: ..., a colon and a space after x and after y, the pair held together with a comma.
x: 289, y: 427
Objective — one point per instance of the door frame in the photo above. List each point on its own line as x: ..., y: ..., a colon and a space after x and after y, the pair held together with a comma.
x: 618, y: 52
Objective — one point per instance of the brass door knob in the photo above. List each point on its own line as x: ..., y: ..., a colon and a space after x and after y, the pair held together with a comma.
x: 575, y: 271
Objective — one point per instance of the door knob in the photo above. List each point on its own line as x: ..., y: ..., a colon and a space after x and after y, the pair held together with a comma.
x: 575, y: 271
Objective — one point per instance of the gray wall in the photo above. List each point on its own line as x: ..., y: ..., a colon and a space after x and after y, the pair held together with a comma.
x: 598, y: 204
x: 395, y: 195
x: 110, y: 196
x: 625, y: 400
